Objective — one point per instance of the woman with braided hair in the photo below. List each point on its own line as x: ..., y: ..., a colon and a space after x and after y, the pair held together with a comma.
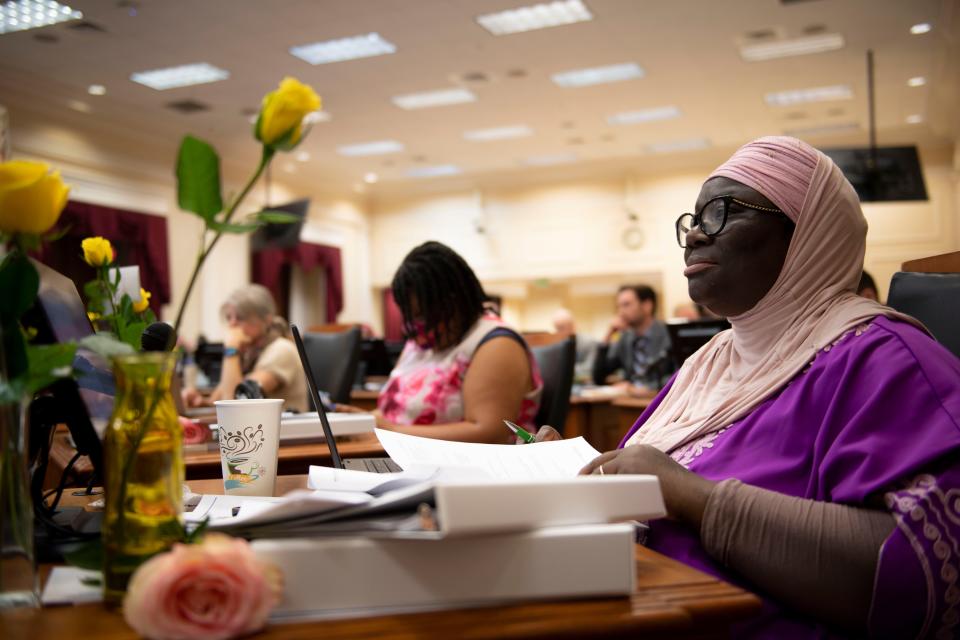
x: 462, y: 371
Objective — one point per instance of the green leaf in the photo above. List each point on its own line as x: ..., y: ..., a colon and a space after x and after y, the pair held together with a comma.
x: 131, y: 334
x: 48, y: 362
x: 231, y: 227
x: 91, y: 581
x: 191, y: 537
x: 277, y: 217
x: 19, y: 283
x: 105, y: 345
x: 14, y: 348
x: 85, y: 555
x: 149, y: 316
x: 198, y: 178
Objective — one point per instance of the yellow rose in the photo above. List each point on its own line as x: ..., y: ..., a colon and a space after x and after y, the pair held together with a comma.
x: 280, y: 123
x: 97, y: 251
x: 141, y: 306
x: 31, y: 197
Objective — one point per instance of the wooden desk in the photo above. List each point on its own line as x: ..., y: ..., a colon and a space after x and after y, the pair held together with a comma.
x: 603, y: 421
x: 205, y: 463
x: 943, y: 263
x: 364, y: 399
x: 672, y: 600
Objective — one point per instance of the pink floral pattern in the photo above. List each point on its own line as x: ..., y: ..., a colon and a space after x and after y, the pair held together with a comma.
x: 426, y: 387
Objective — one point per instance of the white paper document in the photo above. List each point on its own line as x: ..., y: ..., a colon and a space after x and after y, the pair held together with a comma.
x: 540, y: 461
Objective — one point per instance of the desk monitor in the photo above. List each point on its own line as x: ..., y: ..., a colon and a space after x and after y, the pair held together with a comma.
x: 687, y: 337
x: 84, y: 403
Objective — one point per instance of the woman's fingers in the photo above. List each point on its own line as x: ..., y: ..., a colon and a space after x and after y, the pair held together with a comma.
x: 546, y: 433
x: 594, y: 465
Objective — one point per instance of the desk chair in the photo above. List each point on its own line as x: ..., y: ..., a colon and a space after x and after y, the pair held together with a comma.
x: 556, y: 362
x: 933, y: 299
x: 333, y: 358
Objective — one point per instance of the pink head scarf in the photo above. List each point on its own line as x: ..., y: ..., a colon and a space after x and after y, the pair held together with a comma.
x: 812, y: 303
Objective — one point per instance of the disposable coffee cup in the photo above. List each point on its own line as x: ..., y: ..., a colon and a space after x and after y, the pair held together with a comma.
x: 249, y: 435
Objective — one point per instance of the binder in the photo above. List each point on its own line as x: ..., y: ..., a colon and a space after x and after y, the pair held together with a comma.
x: 363, y: 576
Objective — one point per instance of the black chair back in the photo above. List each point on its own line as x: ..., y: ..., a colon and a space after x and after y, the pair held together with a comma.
x: 333, y: 357
x: 556, y: 362
x: 934, y: 300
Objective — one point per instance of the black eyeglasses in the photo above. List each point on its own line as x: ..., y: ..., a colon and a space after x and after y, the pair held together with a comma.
x: 712, y: 217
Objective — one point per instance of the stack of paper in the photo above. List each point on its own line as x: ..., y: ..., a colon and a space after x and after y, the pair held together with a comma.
x: 463, y: 525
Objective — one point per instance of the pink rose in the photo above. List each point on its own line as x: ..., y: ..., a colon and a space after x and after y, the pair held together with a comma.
x: 194, y: 432
x: 214, y: 590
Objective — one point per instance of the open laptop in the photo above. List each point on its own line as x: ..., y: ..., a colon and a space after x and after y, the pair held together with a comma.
x: 374, y: 465
x: 687, y: 337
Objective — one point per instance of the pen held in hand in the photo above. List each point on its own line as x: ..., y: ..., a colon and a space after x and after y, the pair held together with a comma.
x: 522, y: 433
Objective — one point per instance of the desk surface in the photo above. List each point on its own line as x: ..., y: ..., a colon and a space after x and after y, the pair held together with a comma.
x: 671, y: 600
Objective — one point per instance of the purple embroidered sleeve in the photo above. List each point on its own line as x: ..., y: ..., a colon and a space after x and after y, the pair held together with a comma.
x: 924, y: 550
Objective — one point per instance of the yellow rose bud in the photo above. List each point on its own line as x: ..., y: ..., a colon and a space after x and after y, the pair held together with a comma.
x: 31, y: 197
x: 97, y: 252
x: 141, y: 306
x: 93, y: 316
x: 281, y: 117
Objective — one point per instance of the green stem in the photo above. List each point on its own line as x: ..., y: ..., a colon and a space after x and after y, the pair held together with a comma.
x: 111, y: 292
x: 202, y: 256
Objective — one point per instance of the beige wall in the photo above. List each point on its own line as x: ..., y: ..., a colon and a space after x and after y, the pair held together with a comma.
x: 560, y: 244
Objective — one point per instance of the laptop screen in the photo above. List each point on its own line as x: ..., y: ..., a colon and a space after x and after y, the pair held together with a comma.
x: 315, y: 395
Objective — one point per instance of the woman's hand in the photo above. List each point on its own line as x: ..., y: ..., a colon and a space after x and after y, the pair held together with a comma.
x: 684, y: 492
x: 235, y: 338
x: 192, y: 397
x: 546, y: 433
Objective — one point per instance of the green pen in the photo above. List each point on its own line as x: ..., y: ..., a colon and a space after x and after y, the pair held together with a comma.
x: 520, y: 431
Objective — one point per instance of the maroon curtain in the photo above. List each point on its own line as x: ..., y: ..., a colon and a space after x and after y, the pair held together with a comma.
x: 137, y: 238
x: 271, y: 269
x: 392, y: 318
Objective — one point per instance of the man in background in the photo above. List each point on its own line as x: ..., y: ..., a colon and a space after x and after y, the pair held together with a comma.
x: 636, y: 343
x: 564, y: 325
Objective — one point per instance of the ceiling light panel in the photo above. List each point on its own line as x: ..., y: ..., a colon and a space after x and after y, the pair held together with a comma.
x: 538, y: 16
x: 920, y: 29
x: 792, y: 47
x: 498, y: 133
x: 644, y: 115
x: 551, y: 159
x: 352, y: 48
x: 427, y: 99
x: 182, y: 76
x: 435, y: 171
x: 375, y: 148
x: 917, y: 81
x: 815, y: 94
x: 598, y: 75
x: 693, y: 144
x: 20, y: 15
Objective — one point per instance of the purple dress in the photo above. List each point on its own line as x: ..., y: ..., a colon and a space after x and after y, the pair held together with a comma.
x: 875, y: 415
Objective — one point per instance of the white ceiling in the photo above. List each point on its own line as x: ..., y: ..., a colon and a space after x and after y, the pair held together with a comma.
x: 688, y: 48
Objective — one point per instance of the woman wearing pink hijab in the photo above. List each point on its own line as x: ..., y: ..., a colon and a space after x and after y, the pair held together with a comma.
x: 810, y: 453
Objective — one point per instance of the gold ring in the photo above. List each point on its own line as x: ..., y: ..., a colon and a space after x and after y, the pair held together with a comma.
x: 601, y: 469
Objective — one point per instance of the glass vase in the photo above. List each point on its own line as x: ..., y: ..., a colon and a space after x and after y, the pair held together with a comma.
x: 143, y: 456
x: 19, y: 584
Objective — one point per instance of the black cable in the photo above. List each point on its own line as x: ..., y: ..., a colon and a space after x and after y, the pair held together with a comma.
x: 63, y: 481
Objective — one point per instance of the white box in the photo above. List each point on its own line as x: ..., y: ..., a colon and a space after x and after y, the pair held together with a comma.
x: 357, y: 576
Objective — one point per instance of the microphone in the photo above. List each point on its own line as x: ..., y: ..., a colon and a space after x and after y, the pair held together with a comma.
x: 159, y: 336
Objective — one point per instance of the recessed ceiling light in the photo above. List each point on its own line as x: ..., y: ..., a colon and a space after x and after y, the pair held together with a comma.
x: 370, y: 178
x: 317, y: 116
x: 303, y: 156
x: 79, y: 105
x: 815, y: 94
x: 538, y: 16
x: 498, y: 133
x: 791, y: 47
x: 96, y: 90
x: 598, y: 75
x: 550, y: 159
x: 920, y: 29
x: 644, y: 115
x: 352, y: 48
x: 440, y: 98
x: 435, y: 171
x: 20, y: 15
x: 823, y: 130
x: 182, y: 76
x: 915, y: 118
x: 693, y: 144
x: 370, y: 148
x: 917, y: 81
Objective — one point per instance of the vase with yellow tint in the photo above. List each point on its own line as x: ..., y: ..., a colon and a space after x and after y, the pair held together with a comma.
x: 143, y: 456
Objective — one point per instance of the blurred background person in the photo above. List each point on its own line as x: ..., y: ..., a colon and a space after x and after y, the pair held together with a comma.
x: 565, y: 325
x: 256, y: 347
x: 462, y: 371
x: 868, y: 288
x: 636, y: 344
